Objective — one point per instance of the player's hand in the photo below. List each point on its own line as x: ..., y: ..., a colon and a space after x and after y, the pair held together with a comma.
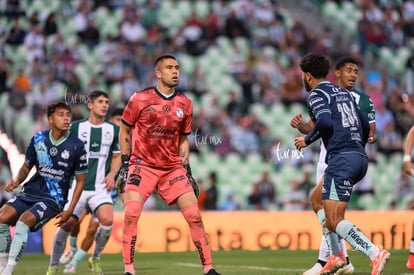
x: 296, y: 121
x: 123, y: 174
x: 63, y: 217
x: 11, y: 186
x: 372, y: 138
x: 300, y: 142
x: 109, y: 182
x: 192, y: 181
x: 408, y: 168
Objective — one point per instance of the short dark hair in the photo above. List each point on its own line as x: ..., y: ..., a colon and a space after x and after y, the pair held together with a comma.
x: 162, y: 57
x: 97, y: 93
x: 345, y: 59
x: 315, y: 64
x: 51, y: 108
x: 117, y: 112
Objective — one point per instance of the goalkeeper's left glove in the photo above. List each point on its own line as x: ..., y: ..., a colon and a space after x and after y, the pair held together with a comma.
x: 192, y: 181
x: 123, y: 174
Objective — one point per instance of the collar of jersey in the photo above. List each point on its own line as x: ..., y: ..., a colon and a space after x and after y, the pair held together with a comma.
x: 60, y: 141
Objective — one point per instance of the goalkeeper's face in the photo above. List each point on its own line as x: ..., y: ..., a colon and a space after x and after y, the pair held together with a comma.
x: 60, y: 119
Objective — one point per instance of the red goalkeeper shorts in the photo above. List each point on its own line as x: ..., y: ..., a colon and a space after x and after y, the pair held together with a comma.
x: 170, y: 184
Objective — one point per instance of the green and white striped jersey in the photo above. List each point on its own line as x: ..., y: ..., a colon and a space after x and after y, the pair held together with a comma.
x: 365, y: 104
x: 101, y: 141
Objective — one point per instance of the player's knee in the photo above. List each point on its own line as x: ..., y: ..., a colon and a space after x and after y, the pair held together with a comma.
x: 192, y: 215
x: 132, y: 211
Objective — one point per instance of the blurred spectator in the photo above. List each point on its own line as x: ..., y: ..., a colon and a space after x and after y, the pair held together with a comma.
x: 295, y: 199
x: 229, y: 204
x: 132, y: 30
x: 50, y: 27
x: 267, y: 189
x: 91, y: 35
x: 234, y: 27
x: 13, y: 9
x: 243, y: 139
x: 129, y: 84
x: 210, y: 202
x: 150, y: 13
x: 254, y: 199
x: 409, y: 75
x: 34, y: 43
x: 390, y: 141
x: 307, y: 183
x: 403, y: 186
x: 16, y: 34
x: 382, y: 117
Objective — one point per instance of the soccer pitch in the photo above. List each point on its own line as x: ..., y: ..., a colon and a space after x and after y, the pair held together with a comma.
x: 287, y: 262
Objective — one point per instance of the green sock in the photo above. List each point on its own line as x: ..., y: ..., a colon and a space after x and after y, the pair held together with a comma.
x: 356, y: 238
x: 5, y: 238
x: 73, y: 242
x: 331, y: 237
x: 79, y: 255
x: 19, y: 241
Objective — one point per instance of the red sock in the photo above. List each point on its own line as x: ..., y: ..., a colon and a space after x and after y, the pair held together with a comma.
x: 198, y: 235
x: 133, y: 210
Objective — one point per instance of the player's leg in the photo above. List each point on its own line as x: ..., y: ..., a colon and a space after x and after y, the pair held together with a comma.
x: 104, y: 212
x: 140, y: 184
x: 353, y: 169
x: 182, y: 194
x: 32, y: 219
x: 85, y: 245
x: 8, y: 216
x: 73, y: 240
x: 410, y: 263
x: 61, y: 235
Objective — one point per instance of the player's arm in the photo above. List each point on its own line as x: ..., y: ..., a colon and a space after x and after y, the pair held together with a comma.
x: 65, y: 215
x: 113, y: 171
x: 297, y: 122
x: 21, y: 176
x: 125, y: 145
x: 366, y: 127
x: 408, y: 165
x: 319, y: 108
x: 185, y: 155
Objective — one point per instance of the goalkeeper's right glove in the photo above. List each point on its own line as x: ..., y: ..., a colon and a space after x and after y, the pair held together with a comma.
x: 123, y: 174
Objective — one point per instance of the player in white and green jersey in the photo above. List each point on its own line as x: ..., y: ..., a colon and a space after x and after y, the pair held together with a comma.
x: 101, y: 143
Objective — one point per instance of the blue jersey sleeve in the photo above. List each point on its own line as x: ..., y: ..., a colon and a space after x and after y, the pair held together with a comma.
x: 318, y: 103
x: 31, y: 153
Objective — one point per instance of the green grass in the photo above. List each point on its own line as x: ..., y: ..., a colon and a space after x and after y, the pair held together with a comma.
x: 226, y: 262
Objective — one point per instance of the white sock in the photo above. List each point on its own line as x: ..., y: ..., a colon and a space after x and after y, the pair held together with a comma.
x: 101, y: 238
x: 59, y: 244
x: 324, y: 251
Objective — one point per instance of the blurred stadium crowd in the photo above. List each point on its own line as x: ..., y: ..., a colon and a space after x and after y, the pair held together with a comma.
x: 239, y: 65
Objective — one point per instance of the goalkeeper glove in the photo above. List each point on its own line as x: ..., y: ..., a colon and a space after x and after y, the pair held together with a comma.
x: 192, y: 181
x: 123, y: 174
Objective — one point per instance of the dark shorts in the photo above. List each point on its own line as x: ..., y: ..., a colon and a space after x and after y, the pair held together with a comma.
x: 343, y: 172
x: 43, y: 209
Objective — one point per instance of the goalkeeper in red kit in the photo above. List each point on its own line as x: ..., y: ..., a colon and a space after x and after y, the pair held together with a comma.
x: 160, y: 121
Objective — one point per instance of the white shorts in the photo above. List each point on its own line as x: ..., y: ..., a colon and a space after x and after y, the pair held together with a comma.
x: 91, y: 200
x: 320, y: 170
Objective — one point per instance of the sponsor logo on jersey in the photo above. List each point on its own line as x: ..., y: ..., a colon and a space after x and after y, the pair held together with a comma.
x: 61, y: 163
x: 158, y: 131
x: 53, y: 151
x: 95, y: 144
x: 180, y: 112
x: 108, y: 135
x: 84, y: 134
x: 166, y: 109
x: 65, y: 154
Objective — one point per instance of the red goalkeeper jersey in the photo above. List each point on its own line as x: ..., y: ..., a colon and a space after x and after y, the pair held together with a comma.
x: 157, y: 122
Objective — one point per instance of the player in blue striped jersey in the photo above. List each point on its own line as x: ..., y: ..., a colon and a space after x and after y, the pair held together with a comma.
x: 344, y: 131
x: 58, y: 156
